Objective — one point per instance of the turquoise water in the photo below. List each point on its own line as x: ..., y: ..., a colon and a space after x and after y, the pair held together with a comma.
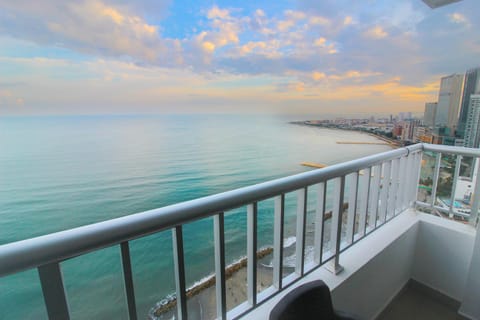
x: 62, y: 172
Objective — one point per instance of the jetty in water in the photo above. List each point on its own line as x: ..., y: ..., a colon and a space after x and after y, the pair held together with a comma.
x: 361, y: 142
x: 314, y: 165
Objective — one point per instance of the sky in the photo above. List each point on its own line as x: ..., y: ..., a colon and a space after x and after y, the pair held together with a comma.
x: 284, y: 57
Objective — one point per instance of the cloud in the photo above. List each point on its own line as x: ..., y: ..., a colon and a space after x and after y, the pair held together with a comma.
x: 459, y: 18
x: 328, y: 46
x: 99, y: 28
x: 318, y: 75
x: 402, y: 16
x: 8, y: 99
x: 337, y: 79
x: 320, y: 42
x: 307, y: 52
x: 319, y: 20
x: 217, y: 13
x: 91, y: 26
x: 376, y: 32
x: 252, y: 46
x: 223, y: 31
x: 284, y: 25
x: 116, y: 86
x: 295, y: 15
x: 348, y: 20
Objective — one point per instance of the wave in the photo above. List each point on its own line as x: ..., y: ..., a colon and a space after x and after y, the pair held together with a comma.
x: 170, y: 301
x: 290, y: 261
x: 289, y: 241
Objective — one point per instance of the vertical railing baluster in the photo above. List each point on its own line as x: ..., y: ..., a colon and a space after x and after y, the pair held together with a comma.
x: 458, y: 164
x: 401, y: 185
x: 364, y: 196
x: 436, y: 175
x: 336, y: 227
x: 53, y: 289
x: 278, y: 241
x: 393, y: 192
x: 407, y: 181
x: 179, y: 268
x: 219, y: 240
x: 128, y: 280
x: 476, y: 196
x: 381, y: 192
x: 413, y: 180
x: 418, y: 169
x: 374, y: 190
x: 352, y: 206
x: 319, y: 221
x: 382, y: 212
x: 301, y: 222
x: 252, y: 253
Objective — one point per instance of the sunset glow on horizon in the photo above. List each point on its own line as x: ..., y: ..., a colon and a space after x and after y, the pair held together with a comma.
x: 285, y: 57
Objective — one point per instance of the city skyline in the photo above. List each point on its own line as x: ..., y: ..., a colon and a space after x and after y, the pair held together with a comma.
x: 94, y: 56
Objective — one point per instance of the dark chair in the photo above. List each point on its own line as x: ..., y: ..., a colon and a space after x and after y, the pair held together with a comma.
x: 309, y: 301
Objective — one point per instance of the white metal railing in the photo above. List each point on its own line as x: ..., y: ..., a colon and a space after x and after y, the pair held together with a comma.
x: 448, y: 208
x: 380, y: 187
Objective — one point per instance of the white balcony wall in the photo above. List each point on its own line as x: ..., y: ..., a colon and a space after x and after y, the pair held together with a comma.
x: 443, y: 254
x: 433, y: 251
x: 470, y: 307
x: 380, y: 267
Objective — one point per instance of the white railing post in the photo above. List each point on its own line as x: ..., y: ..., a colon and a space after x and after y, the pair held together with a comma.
x: 352, y: 206
x: 476, y: 196
x: 301, y: 220
x: 278, y: 241
x: 252, y: 254
x: 336, y: 225
x: 319, y: 222
x: 179, y: 268
x: 364, y: 204
x: 436, y: 175
x: 458, y: 164
x: 382, y: 212
x: 402, y: 188
x: 219, y: 240
x: 416, y: 178
x: 128, y: 280
x: 53, y: 289
x: 408, y: 181
x: 373, y: 199
x: 393, y: 193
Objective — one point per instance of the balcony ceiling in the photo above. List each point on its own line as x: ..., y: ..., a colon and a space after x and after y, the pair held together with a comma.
x: 439, y: 3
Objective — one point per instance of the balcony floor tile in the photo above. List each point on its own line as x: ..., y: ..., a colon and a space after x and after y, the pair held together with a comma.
x: 417, y: 302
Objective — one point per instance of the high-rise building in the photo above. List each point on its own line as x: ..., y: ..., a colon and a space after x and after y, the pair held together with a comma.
x: 449, y: 101
x: 408, y: 131
x: 402, y: 116
x: 472, y: 126
x: 471, y: 87
x: 429, y: 114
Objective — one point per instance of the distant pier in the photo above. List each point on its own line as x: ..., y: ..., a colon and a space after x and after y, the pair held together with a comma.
x: 314, y: 165
x: 364, y: 142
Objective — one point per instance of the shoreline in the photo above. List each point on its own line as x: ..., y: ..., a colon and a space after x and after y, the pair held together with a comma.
x: 168, y: 304
x: 201, y: 296
x: 391, y: 142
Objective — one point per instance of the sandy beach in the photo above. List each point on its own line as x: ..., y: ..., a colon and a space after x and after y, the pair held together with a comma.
x: 236, y: 291
x: 201, y: 298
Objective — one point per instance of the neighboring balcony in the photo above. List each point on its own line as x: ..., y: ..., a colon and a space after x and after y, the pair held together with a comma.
x: 386, y: 231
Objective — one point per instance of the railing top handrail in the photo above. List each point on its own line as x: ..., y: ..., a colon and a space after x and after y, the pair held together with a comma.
x: 34, y: 252
x: 469, y: 152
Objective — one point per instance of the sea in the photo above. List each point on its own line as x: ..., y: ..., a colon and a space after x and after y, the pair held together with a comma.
x: 62, y: 172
